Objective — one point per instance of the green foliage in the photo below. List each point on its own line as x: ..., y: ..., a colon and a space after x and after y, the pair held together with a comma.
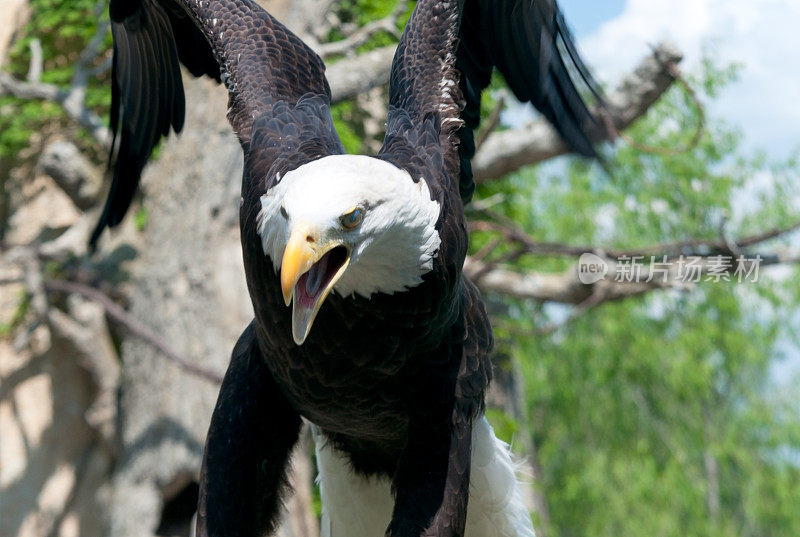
x: 505, y: 426
x: 140, y: 218
x: 360, y: 12
x: 346, y: 126
x: 64, y: 29
x: 7, y: 328
x: 660, y: 415
x: 637, y: 396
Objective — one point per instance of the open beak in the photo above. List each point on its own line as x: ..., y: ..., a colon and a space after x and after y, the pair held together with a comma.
x: 311, y: 266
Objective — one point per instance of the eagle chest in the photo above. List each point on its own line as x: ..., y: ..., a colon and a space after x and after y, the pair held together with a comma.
x: 357, y: 373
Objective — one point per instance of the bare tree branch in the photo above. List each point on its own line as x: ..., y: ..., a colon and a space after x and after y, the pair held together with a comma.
x: 73, y: 172
x: 507, y: 151
x: 353, y: 76
x: 511, y: 232
x: 37, y: 61
x: 73, y: 99
x: 29, y: 90
x: 698, y: 131
x: 713, y: 260
x: 73, y: 107
x: 566, y: 287
x: 38, y: 331
x: 490, y: 124
x: 94, y: 48
x: 360, y: 36
x: 83, y: 67
x: 133, y: 326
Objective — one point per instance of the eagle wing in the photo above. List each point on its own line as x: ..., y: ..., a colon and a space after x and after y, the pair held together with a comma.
x: 247, y: 451
x: 445, y: 60
x: 474, y: 375
x: 266, y: 69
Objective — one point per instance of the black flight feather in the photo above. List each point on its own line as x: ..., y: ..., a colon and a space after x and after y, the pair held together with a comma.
x: 524, y: 40
x: 147, y: 97
x: 152, y: 38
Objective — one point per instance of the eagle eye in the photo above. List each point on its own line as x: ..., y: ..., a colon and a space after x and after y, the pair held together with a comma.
x: 352, y: 219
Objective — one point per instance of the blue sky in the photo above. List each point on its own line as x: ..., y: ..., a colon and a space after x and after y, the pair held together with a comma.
x: 585, y: 16
x: 761, y: 34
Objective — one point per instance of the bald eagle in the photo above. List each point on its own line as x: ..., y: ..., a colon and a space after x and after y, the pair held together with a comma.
x: 386, y: 347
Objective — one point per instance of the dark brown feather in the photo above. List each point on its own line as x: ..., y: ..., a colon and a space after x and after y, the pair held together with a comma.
x: 147, y: 98
x: 231, y: 40
x: 523, y: 39
x: 251, y: 435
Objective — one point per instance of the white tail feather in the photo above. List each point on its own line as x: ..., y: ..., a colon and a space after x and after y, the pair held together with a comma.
x: 354, y: 506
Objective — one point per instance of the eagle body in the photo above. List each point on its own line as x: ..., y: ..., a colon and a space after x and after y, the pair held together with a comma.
x: 364, y: 323
x: 371, y: 359
x: 355, y: 505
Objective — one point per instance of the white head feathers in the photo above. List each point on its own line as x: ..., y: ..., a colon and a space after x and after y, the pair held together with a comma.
x: 392, y: 247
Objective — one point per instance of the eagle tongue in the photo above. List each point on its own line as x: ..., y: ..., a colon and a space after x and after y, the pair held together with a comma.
x: 316, y: 275
x: 301, y: 321
x: 307, y: 293
x: 310, y: 288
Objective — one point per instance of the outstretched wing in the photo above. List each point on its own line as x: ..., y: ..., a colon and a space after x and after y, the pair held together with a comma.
x: 265, y: 67
x: 247, y: 451
x: 445, y: 60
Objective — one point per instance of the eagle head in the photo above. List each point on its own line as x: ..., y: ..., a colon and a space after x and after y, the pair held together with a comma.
x: 349, y: 224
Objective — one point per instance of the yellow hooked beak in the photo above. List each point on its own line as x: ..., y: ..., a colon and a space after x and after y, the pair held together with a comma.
x: 311, y: 266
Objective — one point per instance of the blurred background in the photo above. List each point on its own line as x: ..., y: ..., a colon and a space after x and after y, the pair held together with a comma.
x: 657, y: 404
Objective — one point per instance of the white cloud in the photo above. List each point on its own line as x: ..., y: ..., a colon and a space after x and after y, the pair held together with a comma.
x: 763, y: 35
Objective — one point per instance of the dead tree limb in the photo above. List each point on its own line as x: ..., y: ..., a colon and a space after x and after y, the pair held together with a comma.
x: 71, y: 101
x: 512, y: 233
x: 133, y: 326
x: 567, y: 288
x: 353, y: 76
x: 508, y: 151
x: 360, y: 36
x: 73, y: 173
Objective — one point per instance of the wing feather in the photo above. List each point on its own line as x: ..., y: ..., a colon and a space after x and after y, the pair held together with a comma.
x: 248, y: 447
x: 147, y: 98
x: 527, y: 41
x: 262, y: 63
